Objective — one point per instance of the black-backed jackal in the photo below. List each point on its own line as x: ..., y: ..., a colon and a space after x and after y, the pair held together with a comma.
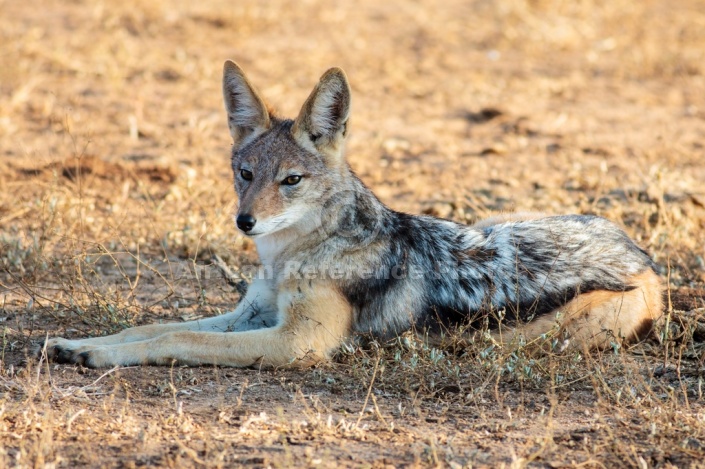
x: 340, y: 262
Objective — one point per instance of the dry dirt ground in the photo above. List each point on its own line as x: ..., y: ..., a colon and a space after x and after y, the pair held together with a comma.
x: 115, y: 196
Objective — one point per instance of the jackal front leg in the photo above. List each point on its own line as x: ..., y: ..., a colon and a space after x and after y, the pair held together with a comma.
x: 258, y: 309
x: 314, y: 320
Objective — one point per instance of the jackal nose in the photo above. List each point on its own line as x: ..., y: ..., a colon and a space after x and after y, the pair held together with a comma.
x: 245, y: 222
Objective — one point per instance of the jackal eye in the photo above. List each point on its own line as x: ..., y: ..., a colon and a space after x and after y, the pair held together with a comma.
x: 292, y: 180
x: 246, y: 175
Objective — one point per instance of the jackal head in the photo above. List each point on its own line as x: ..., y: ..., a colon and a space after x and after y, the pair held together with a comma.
x: 285, y: 170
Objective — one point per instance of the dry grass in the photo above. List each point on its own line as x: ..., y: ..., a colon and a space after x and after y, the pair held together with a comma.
x: 116, y: 195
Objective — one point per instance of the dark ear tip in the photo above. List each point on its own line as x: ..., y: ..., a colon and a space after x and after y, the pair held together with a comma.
x: 336, y: 70
x: 229, y: 67
x: 335, y: 73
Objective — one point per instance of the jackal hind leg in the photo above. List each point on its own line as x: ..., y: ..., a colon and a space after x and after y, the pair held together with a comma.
x: 597, y: 319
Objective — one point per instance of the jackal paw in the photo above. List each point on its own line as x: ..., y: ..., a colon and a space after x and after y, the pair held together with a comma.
x: 62, y: 351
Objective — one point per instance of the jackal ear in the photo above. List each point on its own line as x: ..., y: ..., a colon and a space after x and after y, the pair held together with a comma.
x: 247, y: 114
x: 322, y: 121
